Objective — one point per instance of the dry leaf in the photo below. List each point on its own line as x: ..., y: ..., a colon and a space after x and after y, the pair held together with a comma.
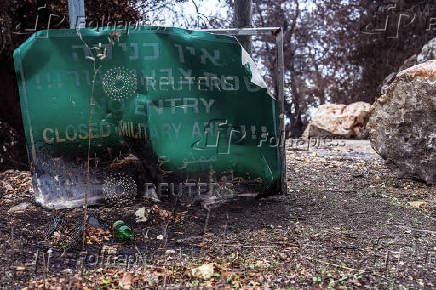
x: 126, y: 280
x: 418, y: 204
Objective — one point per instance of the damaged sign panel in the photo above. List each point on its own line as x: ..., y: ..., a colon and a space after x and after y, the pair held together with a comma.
x: 143, y: 106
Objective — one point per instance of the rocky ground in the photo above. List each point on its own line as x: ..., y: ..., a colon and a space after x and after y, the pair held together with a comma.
x: 346, y: 223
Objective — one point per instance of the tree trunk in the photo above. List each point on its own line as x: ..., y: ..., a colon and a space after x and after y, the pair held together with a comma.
x: 242, y: 18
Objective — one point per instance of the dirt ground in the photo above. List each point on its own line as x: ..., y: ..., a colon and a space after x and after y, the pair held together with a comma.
x: 347, y: 222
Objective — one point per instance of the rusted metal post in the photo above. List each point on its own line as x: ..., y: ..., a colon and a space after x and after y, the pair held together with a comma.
x: 281, y: 101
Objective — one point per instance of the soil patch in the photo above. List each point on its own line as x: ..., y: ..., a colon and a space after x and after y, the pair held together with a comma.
x: 347, y: 222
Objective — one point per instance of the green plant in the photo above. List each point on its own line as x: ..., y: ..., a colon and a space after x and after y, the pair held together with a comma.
x: 194, y: 283
x: 232, y: 257
x: 96, y: 55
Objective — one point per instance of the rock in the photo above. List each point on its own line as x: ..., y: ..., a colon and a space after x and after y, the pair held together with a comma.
x: 19, y: 208
x: 142, y: 215
x: 169, y: 252
x: 8, y: 197
x: 402, y: 124
x: 411, y: 61
x: 428, y: 52
x: 338, y: 120
x: 387, y: 82
x: 204, y: 272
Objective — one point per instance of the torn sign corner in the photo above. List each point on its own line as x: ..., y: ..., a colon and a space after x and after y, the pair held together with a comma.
x: 256, y: 77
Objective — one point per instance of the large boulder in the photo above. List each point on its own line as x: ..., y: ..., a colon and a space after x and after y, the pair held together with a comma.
x: 402, y: 124
x: 428, y: 52
x: 344, y: 121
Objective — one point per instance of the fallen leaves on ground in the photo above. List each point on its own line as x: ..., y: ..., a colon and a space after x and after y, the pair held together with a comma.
x: 97, y: 235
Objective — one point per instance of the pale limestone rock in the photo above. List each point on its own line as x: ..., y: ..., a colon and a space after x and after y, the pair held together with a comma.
x: 204, y: 272
x: 345, y: 121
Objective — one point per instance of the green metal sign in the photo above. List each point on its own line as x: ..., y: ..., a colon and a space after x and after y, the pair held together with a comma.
x: 177, y: 104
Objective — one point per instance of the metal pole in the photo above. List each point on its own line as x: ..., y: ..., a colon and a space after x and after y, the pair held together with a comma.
x: 281, y: 100
x: 76, y: 11
x: 245, y: 31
